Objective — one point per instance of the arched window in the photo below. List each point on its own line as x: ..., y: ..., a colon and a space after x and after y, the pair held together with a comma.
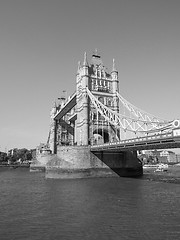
x: 109, y: 102
x: 101, y: 99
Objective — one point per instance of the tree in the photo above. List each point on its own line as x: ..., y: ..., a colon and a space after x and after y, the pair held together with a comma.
x: 3, y: 156
x: 23, y: 154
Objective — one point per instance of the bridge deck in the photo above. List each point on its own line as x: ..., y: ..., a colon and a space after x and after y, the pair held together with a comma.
x: 162, y: 141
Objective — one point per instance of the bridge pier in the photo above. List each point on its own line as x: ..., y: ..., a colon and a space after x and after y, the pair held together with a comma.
x: 80, y: 162
x: 123, y: 163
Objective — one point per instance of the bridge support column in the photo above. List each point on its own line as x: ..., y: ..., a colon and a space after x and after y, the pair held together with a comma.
x: 124, y: 164
x: 52, y: 133
x: 132, y: 165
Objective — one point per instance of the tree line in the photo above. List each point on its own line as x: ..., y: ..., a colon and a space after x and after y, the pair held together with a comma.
x: 16, y: 154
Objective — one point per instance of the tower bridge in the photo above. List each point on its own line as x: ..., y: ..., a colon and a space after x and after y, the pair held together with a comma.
x: 96, y: 131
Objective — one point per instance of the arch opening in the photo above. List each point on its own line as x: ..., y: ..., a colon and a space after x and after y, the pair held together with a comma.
x: 101, y: 136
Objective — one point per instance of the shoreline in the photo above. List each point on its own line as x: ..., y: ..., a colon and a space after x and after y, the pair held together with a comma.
x: 14, y: 165
x: 172, y: 175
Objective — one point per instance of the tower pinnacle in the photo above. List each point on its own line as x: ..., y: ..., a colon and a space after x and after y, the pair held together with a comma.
x: 85, y: 63
x: 54, y: 107
x: 79, y: 66
x: 114, y: 67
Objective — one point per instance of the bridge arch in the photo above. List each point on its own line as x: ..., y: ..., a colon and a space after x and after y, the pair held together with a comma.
x: 101, y: 135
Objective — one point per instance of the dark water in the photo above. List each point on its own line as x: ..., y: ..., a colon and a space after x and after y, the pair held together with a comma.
x: 32, y: 207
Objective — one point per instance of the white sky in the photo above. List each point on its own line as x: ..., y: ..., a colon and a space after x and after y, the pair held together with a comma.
x: 41, y: 42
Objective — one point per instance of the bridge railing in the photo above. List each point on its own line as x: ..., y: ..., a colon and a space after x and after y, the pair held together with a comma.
x: 99, y: 122
x: 66, y: 107
x: 68, y: 100
x: 137, y: 140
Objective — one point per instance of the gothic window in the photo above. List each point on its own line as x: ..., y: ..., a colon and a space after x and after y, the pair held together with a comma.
x: 101, y: 99
x: 100, y: 117
x: 104, y: 74
x: 92, y: 84
x: 95, y: 116
x: 98, y: 74
x: 109, y: 102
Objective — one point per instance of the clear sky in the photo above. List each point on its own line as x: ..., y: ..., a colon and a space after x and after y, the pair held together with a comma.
x: 41, y: 42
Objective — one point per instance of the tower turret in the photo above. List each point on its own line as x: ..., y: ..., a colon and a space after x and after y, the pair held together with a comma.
x: 114, y: 77
x: 78, y: 68
x: 114, y: 72
x: 53, y: 110
x: 115, y: 85
x: 85, y: 66
x: 52, y: 138
x: 82, y: 81
x: 85, y: 62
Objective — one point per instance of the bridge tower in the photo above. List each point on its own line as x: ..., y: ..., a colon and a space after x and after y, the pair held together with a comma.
x: 52, y: 132
x: 78, y: 122
x: 90, y: 126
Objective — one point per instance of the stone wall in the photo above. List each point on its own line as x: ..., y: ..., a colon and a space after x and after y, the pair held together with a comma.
x: 75, y: 157
x: 79, y: 162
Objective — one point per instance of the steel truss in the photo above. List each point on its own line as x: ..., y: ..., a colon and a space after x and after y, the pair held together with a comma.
x: 139, y: 121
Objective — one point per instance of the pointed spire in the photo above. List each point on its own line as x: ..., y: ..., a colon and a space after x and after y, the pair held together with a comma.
x: 54, y: 104
x: 79, y: 66
x: 85, y: 63
x: 54, y: 107
x: 114, y: 67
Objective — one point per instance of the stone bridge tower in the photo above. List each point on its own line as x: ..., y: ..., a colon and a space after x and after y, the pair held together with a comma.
x: 90, y: 126
x: 76, y: 123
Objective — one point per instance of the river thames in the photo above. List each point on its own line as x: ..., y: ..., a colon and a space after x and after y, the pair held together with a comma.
x: 35, y: 208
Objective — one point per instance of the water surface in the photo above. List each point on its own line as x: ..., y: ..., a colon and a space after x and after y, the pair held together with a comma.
x: 34, y: 208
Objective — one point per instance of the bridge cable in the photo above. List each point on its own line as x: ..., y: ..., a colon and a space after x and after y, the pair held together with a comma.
x: 125, y: 122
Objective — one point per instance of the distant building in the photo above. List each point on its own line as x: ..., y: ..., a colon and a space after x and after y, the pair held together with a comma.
x: 42, y: 148
x: 164, y: 156
x: 171, y: 156
x: 177, y: 157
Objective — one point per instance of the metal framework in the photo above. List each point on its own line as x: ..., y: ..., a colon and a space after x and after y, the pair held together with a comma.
x: 139, y: 121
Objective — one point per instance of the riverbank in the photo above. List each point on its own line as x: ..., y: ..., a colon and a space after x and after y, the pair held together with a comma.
x: 25, y: 165
x: 172, y: 175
